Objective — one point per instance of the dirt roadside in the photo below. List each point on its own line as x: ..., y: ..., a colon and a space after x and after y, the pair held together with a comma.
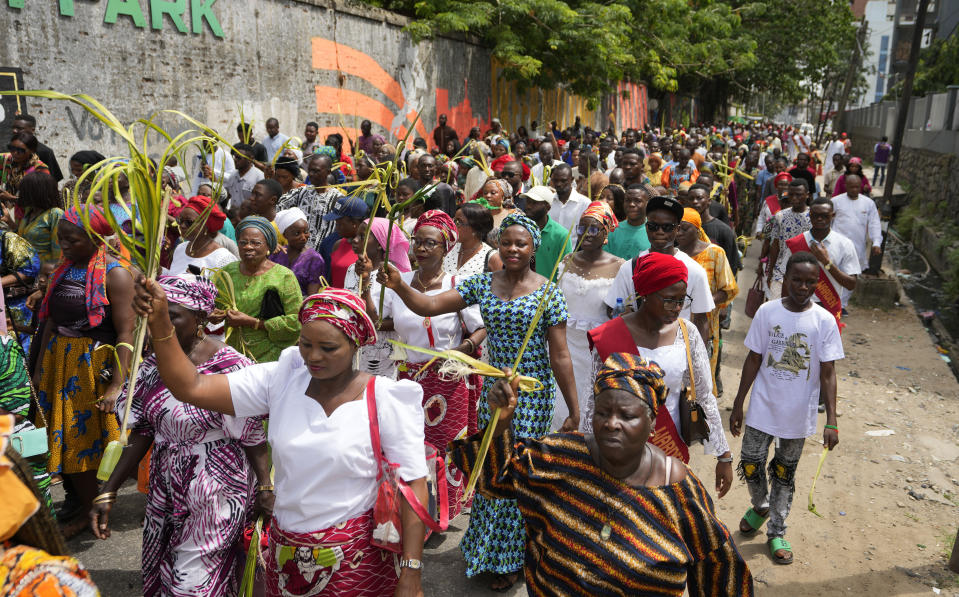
x: 889, y: 500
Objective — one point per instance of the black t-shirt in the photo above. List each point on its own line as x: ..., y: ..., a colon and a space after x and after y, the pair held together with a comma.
x: 259, y: 153
x: 47, y: 156
x: 806, y: 175
x: 721, y: 234
x: 717, y: 210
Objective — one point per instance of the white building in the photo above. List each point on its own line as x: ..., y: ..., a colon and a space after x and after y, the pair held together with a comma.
x: 880, y: 17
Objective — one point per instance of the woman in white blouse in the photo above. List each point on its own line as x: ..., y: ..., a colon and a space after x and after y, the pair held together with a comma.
x: 325, y: 469
x: 657, y: 333
x: 447, y: 409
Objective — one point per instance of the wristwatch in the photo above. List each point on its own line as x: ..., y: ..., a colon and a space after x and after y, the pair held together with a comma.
x: 411, y: 564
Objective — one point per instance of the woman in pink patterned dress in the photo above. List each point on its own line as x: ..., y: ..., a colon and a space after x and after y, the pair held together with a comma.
x: 202, y: 467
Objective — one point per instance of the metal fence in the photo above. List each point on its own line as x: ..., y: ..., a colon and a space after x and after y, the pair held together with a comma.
x: 933, y: 122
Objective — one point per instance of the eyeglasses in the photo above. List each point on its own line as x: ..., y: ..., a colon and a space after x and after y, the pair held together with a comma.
x: 15, y: 149
x: 674, y: 303
x: 653, y: 227
x: 256, y: 244
x: 505, y: 174
x: 591, y: 230
x: 427, y: 243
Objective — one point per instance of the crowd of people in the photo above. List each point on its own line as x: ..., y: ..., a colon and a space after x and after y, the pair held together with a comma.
x: 282, y: 364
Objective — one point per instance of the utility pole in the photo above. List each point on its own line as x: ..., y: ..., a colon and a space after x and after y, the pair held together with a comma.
x: 850, y: 75
x: 902, y: 115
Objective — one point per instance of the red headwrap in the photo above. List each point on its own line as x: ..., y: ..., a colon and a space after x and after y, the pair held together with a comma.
x: 440, y: 220
x: 98, y: 222
x: 343, y: 310
x: 199, y: 204
x: 783, y: 176
x: 655, y: 271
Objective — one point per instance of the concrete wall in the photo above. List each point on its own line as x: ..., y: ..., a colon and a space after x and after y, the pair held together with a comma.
x: 298, y: 60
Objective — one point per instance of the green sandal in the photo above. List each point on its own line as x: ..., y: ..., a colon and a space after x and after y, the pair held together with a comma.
x: 752, y: 519
x: 780, y: 544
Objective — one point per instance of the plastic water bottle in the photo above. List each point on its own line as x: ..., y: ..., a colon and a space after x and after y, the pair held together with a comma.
x: 619, y: 309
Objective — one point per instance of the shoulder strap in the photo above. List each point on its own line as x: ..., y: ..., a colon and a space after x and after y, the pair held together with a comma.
x: 404, y: 488
x: 689, y: 360
x: 374, y: 423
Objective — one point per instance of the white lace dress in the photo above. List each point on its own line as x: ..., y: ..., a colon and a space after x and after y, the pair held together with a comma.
x: 475, y: 265
x: 584, y: 301
x: 672, y: 360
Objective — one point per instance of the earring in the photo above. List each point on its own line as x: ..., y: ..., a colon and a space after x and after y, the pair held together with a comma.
x: 199, y: 332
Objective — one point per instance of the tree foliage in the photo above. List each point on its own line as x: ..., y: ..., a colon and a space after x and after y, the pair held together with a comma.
x: 724, y: 47
x: 938, y: 68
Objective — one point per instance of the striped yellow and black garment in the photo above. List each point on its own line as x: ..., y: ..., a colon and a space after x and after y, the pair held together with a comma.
x: 660, y: 538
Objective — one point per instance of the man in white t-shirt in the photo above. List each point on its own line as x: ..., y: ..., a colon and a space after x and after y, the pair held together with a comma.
x: 239, y: 184
x: 537, y: 174
x: 663, y: 215
x: 857, y: 218
x: 793, y: 346
x: 568, y: 205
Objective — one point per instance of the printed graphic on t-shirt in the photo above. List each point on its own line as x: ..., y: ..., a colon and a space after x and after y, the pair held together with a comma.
x: 794, y: 355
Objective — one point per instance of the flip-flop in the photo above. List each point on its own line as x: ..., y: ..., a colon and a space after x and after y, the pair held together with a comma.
x: 780, y: 544
x: 754, y: 519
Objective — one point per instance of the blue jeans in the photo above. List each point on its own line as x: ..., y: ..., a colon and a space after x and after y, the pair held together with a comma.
x: 880, y: 168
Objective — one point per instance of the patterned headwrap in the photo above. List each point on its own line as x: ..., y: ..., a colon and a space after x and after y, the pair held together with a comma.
x: 632, y: 373
x: 95, y: 285
x: 518, y: 219
x: 261, y: 224
x: 502, y: 141
x: 193, y: 292
x: 98, y: 222
x: 343, y: 310
x: 783, y: 176
x: 655, y: 271
x: 327, y: 150
x: 600, y: 211
x: 199, y: 204
x: 441, y: 220
x: 399, y: 246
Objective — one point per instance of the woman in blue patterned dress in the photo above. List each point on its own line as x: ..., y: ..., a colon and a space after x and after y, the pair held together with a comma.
x: 508, y: 299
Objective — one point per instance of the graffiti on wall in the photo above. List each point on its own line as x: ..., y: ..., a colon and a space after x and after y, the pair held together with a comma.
x: 516, y: 107
x: 630, y: 106
x: 396, y: 101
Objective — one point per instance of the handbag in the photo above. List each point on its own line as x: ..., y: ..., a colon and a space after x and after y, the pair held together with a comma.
x: 692, y: 417
x: 31, y: 442
x: 391, y: 490
x: 271, y: 306
x: 756, y: 297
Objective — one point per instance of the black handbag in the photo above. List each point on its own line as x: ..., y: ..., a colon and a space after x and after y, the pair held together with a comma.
x: 692, y: 417
x: 271, y: 306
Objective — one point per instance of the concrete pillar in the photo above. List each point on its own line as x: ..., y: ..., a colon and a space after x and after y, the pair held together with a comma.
x: 952, y: 90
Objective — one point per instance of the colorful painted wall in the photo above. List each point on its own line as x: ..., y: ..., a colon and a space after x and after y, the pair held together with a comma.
x: 296, y: 60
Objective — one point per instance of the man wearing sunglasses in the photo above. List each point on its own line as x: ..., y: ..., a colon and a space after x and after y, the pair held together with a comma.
x: 663, y: 215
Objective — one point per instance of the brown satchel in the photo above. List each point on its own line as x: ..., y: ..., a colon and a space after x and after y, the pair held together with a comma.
x: 756, y: 297
x: 692, y: 417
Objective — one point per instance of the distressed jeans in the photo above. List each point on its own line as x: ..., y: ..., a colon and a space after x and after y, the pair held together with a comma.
x: 774, y: 492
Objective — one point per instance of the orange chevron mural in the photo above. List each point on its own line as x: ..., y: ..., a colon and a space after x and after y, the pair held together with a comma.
x: 331, y: 55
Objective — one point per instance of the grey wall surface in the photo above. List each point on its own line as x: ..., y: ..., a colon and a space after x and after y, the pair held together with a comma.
x: 298, y: 60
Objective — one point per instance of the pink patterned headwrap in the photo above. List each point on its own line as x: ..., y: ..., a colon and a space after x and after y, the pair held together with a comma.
x: 398, y: 251
x: 193, y: 292
x: 343, y: 310
x: 443, y: 222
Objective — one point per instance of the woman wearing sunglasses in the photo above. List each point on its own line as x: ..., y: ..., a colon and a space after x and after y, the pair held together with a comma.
x: 663, y: 284
x: 585, y: 275
x: 21, y: 159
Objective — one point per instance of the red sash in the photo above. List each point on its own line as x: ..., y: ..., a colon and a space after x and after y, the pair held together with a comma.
x: 613, y: 336
x: 772, y: 202
x: 825, y: 291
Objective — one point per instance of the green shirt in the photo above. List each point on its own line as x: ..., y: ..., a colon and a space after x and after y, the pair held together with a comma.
x: 553, y: 246
x: 628, y: 241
